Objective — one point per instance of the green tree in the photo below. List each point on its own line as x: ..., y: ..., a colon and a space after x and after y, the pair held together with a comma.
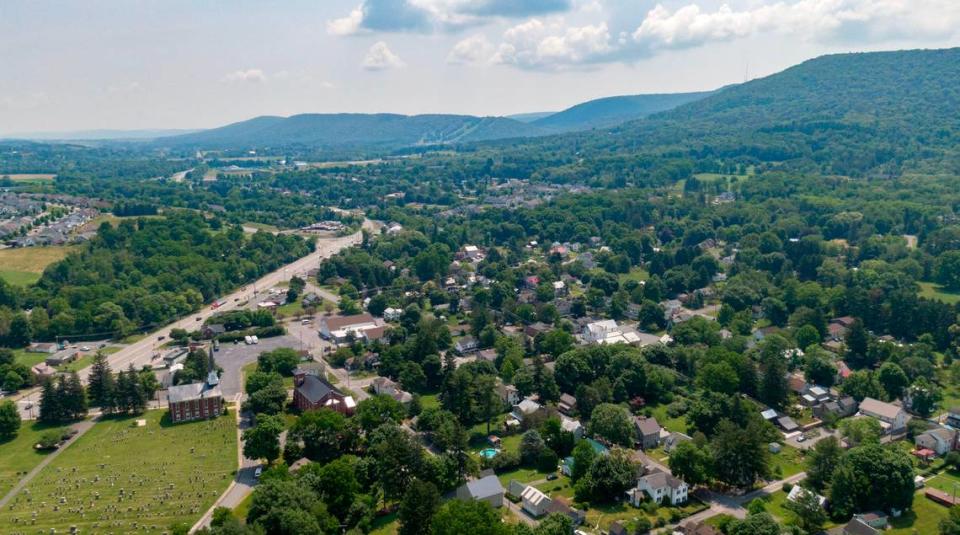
x: 862, y: 384
x: 583, y: 457
x: 456, y: 517
x: 9, y: 420
x: 924, y: 397
x: 262, y: 441
x: 691, y: 463
x: 859, y: 431
x: 951, y: 524
x: 872, y: 477
x: 809, y: 514
x: 531, y: 447
x: 759, y: 524
x: 893, y: 380
x: 420, y: 502
x: 822, y: 461
x: 607, y: 479
x: 807, y: 336
x: 613, y: 423
x: 740, y: 455
x: 378, y: 410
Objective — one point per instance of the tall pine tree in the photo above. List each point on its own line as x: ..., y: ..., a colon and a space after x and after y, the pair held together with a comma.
x: 102, y: 386
x: 49, y: 402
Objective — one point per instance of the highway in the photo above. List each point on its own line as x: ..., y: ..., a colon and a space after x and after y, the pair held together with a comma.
x: 141, y: 352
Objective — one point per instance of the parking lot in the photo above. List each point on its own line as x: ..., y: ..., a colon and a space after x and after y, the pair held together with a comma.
x: 232, y: 357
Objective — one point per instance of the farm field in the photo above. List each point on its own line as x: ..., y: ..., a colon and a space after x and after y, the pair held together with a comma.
x: 30, y: 177
x: 122, y: 478
x: 23, y: 266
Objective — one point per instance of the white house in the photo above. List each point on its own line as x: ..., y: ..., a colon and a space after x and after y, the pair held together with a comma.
x: 392, y: 314
x: 891, y: 417
x: 572, y: 426
x: 340, y: 328
x: 940, y: 440
x: 660, y: 487
x: 599, y: 332
x: 535, y: 502
x: 798, y: 492
x: 525, y: 408
x: 466, y: 345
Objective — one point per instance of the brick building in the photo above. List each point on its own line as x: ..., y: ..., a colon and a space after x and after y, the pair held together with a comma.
x: 312, y: 392
x: 196, y: 401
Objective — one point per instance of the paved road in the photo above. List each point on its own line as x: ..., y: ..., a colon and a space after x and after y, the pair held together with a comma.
x: 317, y: 346
x: 734, y: 505
x: 141, y: 352
x: 80, y: 427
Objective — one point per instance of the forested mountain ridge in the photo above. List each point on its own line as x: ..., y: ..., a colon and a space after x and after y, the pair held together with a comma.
x: 879, y: 113
x: 609, y: 111
x: 342, y: 130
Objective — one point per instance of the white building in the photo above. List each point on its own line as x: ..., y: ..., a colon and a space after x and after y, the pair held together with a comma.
x: 891, y: 417
x: 660, y: 487
x: 535, y: 502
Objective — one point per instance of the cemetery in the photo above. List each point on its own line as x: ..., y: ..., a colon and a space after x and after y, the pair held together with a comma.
x: 129, y: 475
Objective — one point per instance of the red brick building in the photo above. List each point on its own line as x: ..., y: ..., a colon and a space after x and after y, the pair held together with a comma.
x: 196, y: 401
x: 312, y: 393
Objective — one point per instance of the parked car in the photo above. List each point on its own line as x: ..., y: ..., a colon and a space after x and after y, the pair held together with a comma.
x: 257, y: 472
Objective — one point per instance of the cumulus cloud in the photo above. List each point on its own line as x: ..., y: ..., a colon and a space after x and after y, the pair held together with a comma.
x: 536, y: 44
x: 246, y: 75
x: 381, y: 58
x: 474, y: 49
x: 429, y: 16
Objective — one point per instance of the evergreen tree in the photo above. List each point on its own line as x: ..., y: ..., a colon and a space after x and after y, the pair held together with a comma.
x: 102, y: 386
x: 75, y: 398
x: 49, y: 402
x: 135, y: 396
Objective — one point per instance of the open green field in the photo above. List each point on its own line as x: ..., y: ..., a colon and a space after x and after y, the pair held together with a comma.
x: 121, y: 478
x: 26, y: 358
x: 386, y: 525
x: 924, y: 517
x: 23, y: 265
x: 790, y: 461
x: 635, y: 274
x: 18, y: 456
x: 29, y: 177
x: 947, y: 481
x: 678, y: 424
x: 932, y: 290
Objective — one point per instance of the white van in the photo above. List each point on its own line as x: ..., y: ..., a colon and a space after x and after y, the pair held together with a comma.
x: 255, y: 340
x: 248, y: 339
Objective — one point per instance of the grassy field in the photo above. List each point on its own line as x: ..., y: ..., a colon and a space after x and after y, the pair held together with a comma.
x: 261, y: 226
x: 23, y: 265
x: 678, y: 424
x: 947, y: 481
x: 932, y: 290
x: 789, y: 461
x: 18, y: 456
x: 635, y: 274
x: 122, y: 478
x: 924, y: 517
x: 29, y: 359
x: 29, y: 177
x: 386, y: 525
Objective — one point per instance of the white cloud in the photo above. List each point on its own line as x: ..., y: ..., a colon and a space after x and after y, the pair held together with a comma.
x: 381, y: 58
x: 246, y: 75
x: 473, y: 49
x: 348, y: 25
x: 535, y: 44
x: 124, y: 88
x: 539, y: 45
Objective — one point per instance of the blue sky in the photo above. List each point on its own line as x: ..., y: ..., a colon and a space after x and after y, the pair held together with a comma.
x: 127, y: 64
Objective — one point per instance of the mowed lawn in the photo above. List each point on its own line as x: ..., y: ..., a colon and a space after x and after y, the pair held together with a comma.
x: 18, y: 456
x: 934, y: 291
x: 122, y: 478
x: 23, y: 265
x: 923, y: 517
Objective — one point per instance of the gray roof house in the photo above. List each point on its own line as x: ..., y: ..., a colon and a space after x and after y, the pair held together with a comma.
x: 648, y: 432
x: 487, y: 489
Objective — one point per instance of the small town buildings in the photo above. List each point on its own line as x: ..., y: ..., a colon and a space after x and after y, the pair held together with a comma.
x: 940, y: 440
x: 568, y: 404
x: 841, y: 408
x: 383, y: 386
x: 787, y: 424
x: 312, y: 392
x: 196, y: 401
x: 392, y: 314
x: 648, y: 432
x: 465, y: 345
x: 534, y: 501
x: 341, y: 329
x: 487, y: 489
x: 892, y: 418
x: 572, y: 426
x: 661, y: 487
x: 63, y: 357
x: 608, y: 332
x: 43, y: 347
x: 508, y: 394
x: 42, y: 370
x: 953, y: 417
x: 524, y: 409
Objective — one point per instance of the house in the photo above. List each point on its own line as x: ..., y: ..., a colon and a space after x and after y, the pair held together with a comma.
x: 859, y: 527
x: 487, y: 489
x: 534, y: 501
x: 341, y: 328
x: 42, y: 347
x: 508, y: 394
x: 466, y: 345
x: 941, y: 440
x: 559, y: 288
x: 567, y: 404
x: 534, y: 329
x: 892, y: 418
x: 392, y: 314
x: 382, y: 386
x: 43, y: 370
x: 312, y: 392
x: 524, y: 409
x: 953, y: 417
x: 660, y: 487
x: 573, y: 426
x: 842, y: 407
x: 196, y: 401
x: 311, y: 299
x: 489, y: 355
x: 874, y: 519
x: 673, y: 440
x: 516, y: 488
x: 576, y: 516
x: 308, y: 368
x: 798, y: 492
x: 787, y: 424
x: 648, y: 432
x: 213, y: 330
x: 63, y: 357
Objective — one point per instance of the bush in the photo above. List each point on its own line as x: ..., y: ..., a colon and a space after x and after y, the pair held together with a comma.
x: 787, y: 487
x: 547, y: 462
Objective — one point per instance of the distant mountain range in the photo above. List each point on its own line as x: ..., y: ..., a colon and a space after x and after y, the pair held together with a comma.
x: 393, y: 131
x: 98, y: 135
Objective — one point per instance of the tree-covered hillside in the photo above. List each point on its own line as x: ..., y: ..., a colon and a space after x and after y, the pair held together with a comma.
x: 609, y: 111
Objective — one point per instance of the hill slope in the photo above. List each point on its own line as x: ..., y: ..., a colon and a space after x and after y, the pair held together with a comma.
x: 609, y: 111
x: 848, y: 114
x: 342, y: 130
